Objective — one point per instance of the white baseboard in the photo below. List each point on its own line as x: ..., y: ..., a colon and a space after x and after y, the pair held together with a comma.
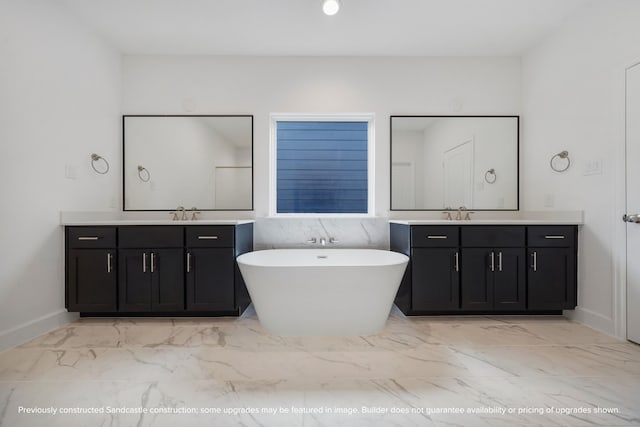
x: 29, y: 330
x: 592, y: 319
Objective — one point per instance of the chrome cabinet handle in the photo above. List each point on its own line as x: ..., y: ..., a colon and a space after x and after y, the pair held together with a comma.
x: 109, y: 256
x: 493, y: 265
x: 456, y: 257
x: 436, y: 237
x: 88, y: 238
x: 499, y: 261
x: 554, y: 237
x: 207, y: 237
x: 631, y: 218
x: 153, y: 261
x: 144, y: 262
x: 188, y: 262
x: 534, y: 255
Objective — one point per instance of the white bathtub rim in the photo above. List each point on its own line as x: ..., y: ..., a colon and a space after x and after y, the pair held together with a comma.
x: 322, y: 258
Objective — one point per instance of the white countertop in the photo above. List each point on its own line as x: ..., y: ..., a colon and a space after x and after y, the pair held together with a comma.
x: 156, y: 222
x: 488, y: 222
x: 138, y: 218
x: 412, y: 218
x: 496, y: 218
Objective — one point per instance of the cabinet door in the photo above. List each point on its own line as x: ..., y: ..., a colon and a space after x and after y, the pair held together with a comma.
x: 91, y: 280
x: 509, y: 279
x: 551, y: 279
x: 135, y: 280
x: 210, y: 279
x: 166, y: 267
x: 476, y: 279
x: 435, y: 279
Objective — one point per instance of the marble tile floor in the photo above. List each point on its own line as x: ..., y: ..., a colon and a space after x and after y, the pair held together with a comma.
x: 424, y: 371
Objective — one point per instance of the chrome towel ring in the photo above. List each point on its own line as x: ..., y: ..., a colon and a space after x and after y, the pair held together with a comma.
x: 561, y: 157
x: 94, y: 159
x: 143, y: 174
x: 490, y: 176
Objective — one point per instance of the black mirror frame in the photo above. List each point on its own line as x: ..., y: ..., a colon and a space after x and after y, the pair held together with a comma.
x: 124, y: 116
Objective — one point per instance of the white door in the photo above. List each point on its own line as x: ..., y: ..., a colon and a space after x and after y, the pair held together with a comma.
x: 458, y: 176
x: 403, y: 191
x: 633, y: 203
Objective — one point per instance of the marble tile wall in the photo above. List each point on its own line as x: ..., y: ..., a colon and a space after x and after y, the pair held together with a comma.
x: 370, y: 233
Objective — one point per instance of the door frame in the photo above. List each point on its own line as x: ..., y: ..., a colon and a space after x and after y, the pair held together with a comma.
x: 620, y: 207
x: 620, y: 247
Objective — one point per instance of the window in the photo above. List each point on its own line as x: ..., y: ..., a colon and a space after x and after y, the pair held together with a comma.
x: 322, y: 166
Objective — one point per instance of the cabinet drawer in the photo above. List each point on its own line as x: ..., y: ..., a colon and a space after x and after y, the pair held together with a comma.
x: 493, y: 236
x: 434, y: 236
x: 200, y: 236
x: 149, y: 236
x: 559, y: 236
x: 91, y: 237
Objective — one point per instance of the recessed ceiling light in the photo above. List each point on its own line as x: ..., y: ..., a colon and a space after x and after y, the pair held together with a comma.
x: 331, y: 7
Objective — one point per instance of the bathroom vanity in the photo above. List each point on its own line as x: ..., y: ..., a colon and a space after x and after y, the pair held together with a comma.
x: 471, y: 267
x: 127, y: 268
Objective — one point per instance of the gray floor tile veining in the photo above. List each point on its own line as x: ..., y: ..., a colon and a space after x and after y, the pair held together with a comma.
x: 440, y: 371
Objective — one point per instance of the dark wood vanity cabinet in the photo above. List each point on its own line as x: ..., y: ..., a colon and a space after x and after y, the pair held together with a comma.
x: 552, y: 267
x: 151, y: 269
x: 210, y: 268
x: 493, y: 278
x: 90, y: 269
x: 484, y: 268
x: 151, y: 280
x: 435, y: 277
x: 157, y: 269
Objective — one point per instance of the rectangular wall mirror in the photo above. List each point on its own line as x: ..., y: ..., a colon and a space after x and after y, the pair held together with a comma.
x: 204, y: 162
x: 445, y: 162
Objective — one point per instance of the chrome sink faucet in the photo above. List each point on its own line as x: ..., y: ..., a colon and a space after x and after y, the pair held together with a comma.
x: 323, y: 241
x: 459, y: 216
x: 184, y: 213
x: 194, y: 213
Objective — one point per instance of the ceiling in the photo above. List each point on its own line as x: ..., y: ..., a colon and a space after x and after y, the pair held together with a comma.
x: 299, y: 28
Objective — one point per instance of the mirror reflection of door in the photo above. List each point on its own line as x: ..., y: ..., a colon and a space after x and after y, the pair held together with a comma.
x: 403, y: 190
x: 458, y: 176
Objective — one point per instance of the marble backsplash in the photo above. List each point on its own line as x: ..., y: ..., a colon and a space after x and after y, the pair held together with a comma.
x: 370, y: 233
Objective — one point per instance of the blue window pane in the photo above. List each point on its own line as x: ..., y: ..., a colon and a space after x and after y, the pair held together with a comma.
x: 322, y: 167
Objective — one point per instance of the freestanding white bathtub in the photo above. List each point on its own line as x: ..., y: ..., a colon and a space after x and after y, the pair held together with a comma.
x: 299, y: 292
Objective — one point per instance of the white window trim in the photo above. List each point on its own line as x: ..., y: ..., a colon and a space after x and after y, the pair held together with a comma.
x: 303, y: 117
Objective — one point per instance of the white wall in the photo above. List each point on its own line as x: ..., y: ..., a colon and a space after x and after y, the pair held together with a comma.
x: 264, y: 85
x: 573, y: 99
x: 59, y: 102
